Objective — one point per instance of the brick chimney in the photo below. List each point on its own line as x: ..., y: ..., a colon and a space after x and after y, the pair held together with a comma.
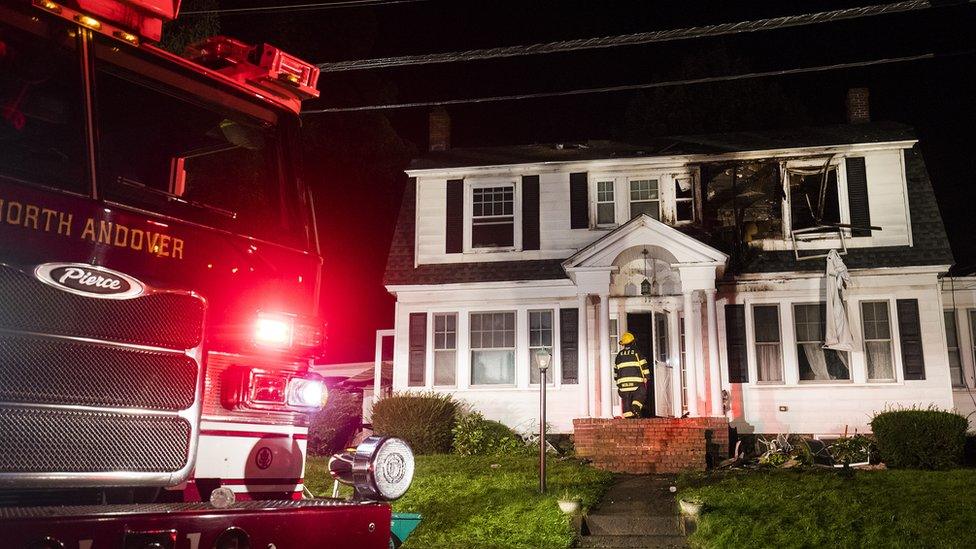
x: 440, y: 129
x: 858, y: 108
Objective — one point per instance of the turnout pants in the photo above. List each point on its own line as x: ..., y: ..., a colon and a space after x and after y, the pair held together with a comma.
x: 634, y: 401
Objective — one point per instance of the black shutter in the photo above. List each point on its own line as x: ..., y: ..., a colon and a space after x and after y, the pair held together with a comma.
x: 910, y: 331
x: 735, y: 339
x: 530, y: 212
x: 569, y: 344
x: 857, y: 195
x: 418, y: 350
x: 455, y: 216
x: 579, y: 203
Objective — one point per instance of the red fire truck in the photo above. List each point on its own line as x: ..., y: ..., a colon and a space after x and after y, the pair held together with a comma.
x: 159, y: 287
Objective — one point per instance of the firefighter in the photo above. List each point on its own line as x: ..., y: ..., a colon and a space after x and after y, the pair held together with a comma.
x: 630, y: 372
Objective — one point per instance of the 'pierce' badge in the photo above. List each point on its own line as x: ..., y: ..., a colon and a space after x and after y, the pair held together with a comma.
x: 89, y: 280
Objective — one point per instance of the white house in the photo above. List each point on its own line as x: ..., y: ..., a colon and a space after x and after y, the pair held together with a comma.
x: 710, y: 249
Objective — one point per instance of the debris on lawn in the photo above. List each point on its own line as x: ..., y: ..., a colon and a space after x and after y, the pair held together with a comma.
x: 788, y: 451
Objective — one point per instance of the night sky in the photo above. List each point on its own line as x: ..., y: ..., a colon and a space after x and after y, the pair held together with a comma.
x: 354, y: 161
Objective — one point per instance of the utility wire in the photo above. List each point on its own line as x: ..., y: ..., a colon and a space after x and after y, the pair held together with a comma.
x: 639, y: 38
x: 302, y: 7
x: 649, y: 85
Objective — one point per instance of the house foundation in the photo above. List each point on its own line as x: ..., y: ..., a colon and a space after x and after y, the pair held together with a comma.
x: 654, y: 445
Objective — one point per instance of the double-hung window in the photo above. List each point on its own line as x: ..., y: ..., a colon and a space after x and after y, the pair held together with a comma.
x: 605, y: 208
x: 540, y: 337
x: 445, y: 348
x: 769, y: 361
x: 493, y: 216
x: 614, y: 337
x: 952, y: 343
x: 684, y: 199
x: 493, y: 348
x: 645, y: 198
x: 815, y: 362
x: 877, y: 340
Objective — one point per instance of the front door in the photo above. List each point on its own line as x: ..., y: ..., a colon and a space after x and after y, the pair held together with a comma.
x: 640, y: 325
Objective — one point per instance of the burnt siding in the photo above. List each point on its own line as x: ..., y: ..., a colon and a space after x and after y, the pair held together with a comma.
x: 930, y: 243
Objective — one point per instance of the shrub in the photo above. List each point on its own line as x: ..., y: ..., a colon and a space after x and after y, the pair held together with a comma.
x: 920, y: 438
x: 847, y: 450
x: 331, y: 429
x: 423, y: 420
x: 476, y: 436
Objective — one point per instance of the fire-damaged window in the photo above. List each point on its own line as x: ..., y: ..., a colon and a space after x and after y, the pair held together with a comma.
x: 684, y: 199
x: 493, y: 216
x: 815, y: 362
x: 814, y: 202
x: 742, y: 202
x: 42, y: 131
x: 166, y: 148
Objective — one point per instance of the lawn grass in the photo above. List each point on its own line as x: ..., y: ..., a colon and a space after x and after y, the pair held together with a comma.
x: 467, y: 503
x: 783, y: 508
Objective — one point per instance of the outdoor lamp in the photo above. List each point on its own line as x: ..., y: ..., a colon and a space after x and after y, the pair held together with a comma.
x: 543, y: 357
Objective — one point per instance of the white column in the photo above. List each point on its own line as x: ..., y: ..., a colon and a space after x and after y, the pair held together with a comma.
x: 691, y: 366
x: 714, y: 370
x: 674, y: 359
x: 604, y: 347
x: 378, y: 366
x: 583, y: 362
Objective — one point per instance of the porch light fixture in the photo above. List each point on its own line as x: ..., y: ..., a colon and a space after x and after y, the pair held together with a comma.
x: 646, y: 284
x: 542, y: 357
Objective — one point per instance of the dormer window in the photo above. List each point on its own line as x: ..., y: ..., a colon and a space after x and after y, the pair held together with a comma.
x: 814, y: 198
x: 493, y: 216
x: 645, y: 198
x: 684, y: 199
x: 605, y: 209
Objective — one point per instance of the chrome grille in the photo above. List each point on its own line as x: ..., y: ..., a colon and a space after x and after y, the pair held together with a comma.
x: 56, y: 371
x: 97, y: 392
x: 166, y: 319
x: 44, y: 440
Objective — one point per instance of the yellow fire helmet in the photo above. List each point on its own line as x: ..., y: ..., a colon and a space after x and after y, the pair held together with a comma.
x: 627, y: 338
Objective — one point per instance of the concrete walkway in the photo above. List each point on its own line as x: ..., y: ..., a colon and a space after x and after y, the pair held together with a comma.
x: 637, y: 511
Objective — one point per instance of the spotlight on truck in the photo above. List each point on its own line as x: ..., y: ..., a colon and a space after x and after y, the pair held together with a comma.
x: 381, y: 468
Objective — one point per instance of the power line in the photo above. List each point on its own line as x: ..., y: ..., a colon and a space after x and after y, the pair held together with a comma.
x: 639, y: 38
x: 303, y: 7
x: 649, y: 85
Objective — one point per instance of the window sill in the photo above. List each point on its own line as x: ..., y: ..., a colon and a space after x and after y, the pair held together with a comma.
x: 491, y: 250
x: 962, y: 390
x: 809, y: 384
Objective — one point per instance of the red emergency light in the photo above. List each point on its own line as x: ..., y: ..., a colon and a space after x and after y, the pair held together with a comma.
x: 263, y: 66
x: 141, y: 19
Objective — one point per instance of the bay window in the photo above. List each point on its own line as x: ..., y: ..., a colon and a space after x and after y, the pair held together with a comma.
x: 493, y: 348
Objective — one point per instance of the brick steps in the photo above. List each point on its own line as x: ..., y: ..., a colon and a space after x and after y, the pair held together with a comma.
x: 651, y: 446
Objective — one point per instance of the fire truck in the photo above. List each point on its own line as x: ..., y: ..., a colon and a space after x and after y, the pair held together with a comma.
x: 159, y: 289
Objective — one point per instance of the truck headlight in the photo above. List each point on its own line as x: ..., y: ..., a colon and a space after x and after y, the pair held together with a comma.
x: 381, y: 468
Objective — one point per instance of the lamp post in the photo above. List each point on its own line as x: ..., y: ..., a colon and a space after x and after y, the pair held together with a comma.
x: 542, y: 357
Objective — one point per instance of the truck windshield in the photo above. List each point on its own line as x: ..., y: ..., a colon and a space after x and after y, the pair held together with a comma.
x: 168, y: 144
x: 42, y: 126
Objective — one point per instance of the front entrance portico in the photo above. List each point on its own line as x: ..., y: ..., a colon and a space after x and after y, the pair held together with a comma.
x: 645, y: 266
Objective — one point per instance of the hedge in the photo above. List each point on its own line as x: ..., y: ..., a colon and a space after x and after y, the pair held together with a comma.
x: 331, y: 429
x: 476, y: 436
x: 920, y: 438
x: 423, y: 420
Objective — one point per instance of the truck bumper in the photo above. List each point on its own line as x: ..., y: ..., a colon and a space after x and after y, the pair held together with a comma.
x: 281, y: 524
